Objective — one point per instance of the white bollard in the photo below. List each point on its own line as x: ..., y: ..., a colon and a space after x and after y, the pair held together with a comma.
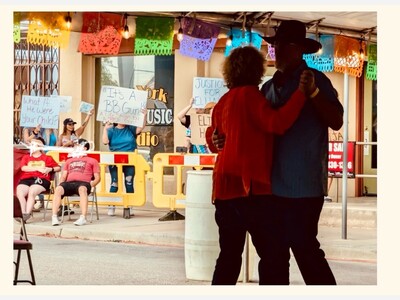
x: 201, y: 231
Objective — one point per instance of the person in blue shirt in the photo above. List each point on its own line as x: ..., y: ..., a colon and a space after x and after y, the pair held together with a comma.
x: 50, y: 136
x: 121, y: 138
x: 300, y: 168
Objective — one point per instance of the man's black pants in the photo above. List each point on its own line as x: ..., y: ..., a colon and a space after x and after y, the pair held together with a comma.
x: 297, y: 226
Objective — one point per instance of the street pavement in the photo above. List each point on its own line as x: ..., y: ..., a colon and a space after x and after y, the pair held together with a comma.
x: 353, y: 259
x: 85, y: 262
x: 360, y: 242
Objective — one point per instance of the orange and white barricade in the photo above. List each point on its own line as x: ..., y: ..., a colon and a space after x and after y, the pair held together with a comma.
x: 179, y: 162
x: 120, y: 159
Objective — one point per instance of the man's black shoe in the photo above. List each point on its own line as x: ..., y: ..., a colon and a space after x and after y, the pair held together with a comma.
x: 59, y: 213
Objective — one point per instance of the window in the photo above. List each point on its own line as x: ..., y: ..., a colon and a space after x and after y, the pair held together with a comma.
x: 36, y: 73
x: 154, y: 74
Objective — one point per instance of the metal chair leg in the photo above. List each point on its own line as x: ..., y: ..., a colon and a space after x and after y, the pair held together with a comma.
x: 28, y: 253
x: 17, y: 265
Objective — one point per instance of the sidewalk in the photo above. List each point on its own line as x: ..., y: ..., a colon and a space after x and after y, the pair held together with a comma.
x: 145, y: 228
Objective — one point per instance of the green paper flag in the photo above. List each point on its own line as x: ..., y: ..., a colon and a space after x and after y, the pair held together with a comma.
x: 372, y: 65
x: 154, y: 36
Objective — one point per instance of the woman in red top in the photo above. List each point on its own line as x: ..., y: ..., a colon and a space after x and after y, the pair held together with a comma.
x: 35, y: 176
x: 241, y: 178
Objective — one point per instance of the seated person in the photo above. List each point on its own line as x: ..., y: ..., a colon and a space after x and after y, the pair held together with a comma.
x: 80, y: 173
x: 35, y: 176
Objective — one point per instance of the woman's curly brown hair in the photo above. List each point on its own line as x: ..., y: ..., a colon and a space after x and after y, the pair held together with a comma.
x: 244, y: 66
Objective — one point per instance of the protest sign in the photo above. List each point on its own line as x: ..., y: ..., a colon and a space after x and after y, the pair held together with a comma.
x: 121, y: 105
x: 198, y: 127
x: 207, y: 90
x: 65, y: 102
x: 37, y: 110
x: 85, y: 107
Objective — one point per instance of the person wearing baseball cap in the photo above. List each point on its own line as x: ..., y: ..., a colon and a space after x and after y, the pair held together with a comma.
x: 69, y: 136
x: 68, y: 120
x: 299, y: 172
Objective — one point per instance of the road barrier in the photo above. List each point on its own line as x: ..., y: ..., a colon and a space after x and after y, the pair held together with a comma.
x: 120, y: 159
x: 179, y: 162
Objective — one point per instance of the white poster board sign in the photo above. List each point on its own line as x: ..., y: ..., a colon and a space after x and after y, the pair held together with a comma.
x: 65, y: 103
x: 207, y: 90
x: 37, y: 110
x: 198, y: 127
x: 121, y: 105
x: 85, y: 107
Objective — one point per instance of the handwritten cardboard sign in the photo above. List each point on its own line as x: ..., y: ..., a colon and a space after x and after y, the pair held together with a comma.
x: 85, y: 107
x: 207, y: 90
x: 198, y: 127
x: 65, y: 102
x: 39, y: 110
x: 121, y: 105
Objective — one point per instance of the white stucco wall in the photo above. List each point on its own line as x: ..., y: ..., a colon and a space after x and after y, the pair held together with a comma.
x: 71, y: 79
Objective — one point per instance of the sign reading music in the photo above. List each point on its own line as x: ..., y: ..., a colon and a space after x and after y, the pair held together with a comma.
x: 335, y: 159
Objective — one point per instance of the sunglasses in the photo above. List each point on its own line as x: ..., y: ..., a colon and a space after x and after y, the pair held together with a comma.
x: 71, y: 124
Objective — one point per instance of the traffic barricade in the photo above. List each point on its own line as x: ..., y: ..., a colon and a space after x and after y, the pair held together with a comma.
x: 179, y: 162
x: 120, y: 159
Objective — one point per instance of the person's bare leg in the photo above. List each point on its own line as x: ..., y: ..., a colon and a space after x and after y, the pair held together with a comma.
x: 34, y: 190
x: 58, y: 193
x: 83, y: 200
x: 22, y: 192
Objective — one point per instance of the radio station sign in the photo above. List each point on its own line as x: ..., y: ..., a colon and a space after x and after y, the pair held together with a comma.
x: 335, y: 159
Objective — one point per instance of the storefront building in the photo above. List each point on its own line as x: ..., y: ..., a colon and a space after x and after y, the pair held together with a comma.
x: 168, y: 79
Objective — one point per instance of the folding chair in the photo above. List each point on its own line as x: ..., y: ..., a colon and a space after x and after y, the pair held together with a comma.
x: 22, y: 244
x: 92, y: 198
x: 49, y: 193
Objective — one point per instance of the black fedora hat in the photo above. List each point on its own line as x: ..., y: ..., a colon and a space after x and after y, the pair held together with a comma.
x: 293, y: 31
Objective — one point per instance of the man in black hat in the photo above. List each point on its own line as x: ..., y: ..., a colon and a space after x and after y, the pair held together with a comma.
x: 299, y: 174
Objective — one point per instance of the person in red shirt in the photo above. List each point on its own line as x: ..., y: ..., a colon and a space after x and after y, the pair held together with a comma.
x: 241, y: 177
x: 36, y: 168
x: 79, y: 175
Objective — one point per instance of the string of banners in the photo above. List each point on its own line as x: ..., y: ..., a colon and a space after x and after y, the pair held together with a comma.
x: 101, y: 34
